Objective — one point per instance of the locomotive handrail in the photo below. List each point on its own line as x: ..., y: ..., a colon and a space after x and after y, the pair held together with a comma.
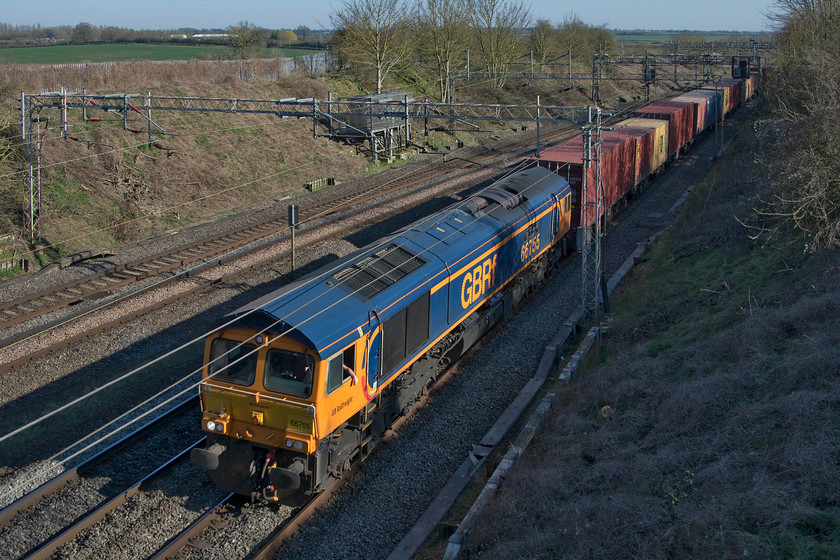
x: 258, y: 396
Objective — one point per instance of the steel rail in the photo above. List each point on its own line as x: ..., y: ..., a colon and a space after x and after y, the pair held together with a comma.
x: 47, y: 549
x: 188, y: 535
x: 194, y: 273
x: 99, y: 284
x: 52, y: 486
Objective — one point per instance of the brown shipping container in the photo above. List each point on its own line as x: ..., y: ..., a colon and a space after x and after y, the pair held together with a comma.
x: 618, y: 156
x: 680, y: 117
x: 645, y: 141
x: 701, y: 107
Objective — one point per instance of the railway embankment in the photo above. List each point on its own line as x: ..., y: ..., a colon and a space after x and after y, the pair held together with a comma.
x: 708, y: 426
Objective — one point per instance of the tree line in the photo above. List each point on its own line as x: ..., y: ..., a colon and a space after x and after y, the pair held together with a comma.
x: 438, y: 34
x: 84, y: 33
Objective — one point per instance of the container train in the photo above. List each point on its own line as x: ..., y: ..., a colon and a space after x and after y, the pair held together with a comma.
x: 302, y: 382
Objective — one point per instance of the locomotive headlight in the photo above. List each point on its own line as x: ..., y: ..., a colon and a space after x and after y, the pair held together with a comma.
x: 298, y: 445
x: 220, y: 427
x: 211, y: 425
x: 288, y: 443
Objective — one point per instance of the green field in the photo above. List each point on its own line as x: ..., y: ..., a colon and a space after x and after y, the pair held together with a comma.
x: 68, y: 54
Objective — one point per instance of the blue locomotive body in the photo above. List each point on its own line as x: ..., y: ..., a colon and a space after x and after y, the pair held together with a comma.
x: 367, y: 334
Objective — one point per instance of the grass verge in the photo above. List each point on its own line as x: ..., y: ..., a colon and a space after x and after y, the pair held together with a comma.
x: 721, y: 373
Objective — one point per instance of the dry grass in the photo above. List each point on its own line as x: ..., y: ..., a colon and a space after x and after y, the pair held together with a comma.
x: 111, y: 188
x: 724, y: 440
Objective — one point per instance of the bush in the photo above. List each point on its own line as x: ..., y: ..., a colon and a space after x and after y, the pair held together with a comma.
x: 804, y: 93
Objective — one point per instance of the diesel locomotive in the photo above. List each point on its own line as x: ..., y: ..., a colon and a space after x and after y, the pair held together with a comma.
x: 302, y: 382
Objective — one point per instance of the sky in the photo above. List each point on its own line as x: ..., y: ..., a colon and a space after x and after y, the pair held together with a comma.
x: 700, y: 15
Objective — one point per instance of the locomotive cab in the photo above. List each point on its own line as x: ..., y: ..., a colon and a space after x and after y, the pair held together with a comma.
x: 259, y: 395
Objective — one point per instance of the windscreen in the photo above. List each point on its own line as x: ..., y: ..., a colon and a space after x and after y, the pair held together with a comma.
x: 289, y: 372
x: 233, y: 361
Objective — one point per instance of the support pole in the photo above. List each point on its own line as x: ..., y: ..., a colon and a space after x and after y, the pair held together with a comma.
x: 63, y: 113
x: 406, y: 122
x: 426, y: 119
x: 591, y: 209
x: 531, y: 73
x: 314, y: 118
x: 329, y: 112
x: 26, y: 166
x: 538, y: 126
x: 293, y: 224
x: 149, y: 113
x: 468, y: 65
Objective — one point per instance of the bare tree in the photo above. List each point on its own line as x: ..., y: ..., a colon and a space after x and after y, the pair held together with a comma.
x: 804, y: 92
x: 245, y: 40
x: 545, y: 42
x: 498, y: 26
x: 443, y: 31
x: 372, y: 33
x: 583, y: 40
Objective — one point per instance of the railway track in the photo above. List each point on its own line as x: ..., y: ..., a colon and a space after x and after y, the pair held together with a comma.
x: 59, y: 525
x: 105, y: 282
x: 256, y: 238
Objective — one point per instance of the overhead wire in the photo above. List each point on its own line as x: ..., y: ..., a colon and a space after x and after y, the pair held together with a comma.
x: 196, y: 339
x: 280, y: 321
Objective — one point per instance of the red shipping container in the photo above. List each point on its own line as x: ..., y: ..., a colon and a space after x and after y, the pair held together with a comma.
x: 701, y: 107
x: 681, y: 121
x: 645, y: 141
x: 618, y: 170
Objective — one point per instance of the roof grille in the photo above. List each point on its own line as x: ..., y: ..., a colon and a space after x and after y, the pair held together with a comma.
x: 376, y: 272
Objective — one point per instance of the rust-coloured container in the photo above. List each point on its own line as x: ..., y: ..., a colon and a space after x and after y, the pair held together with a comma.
x: 681, y: 121
x: 644, y: 140
x: 618, y: 170
x: 701, y: 109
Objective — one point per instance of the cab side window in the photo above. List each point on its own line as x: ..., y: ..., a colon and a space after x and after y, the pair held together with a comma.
x: 341, y: 368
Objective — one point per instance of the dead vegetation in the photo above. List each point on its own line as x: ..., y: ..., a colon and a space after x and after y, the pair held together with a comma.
x: 109, y: 187
x: 723, y: 439
x: 803, y: 155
